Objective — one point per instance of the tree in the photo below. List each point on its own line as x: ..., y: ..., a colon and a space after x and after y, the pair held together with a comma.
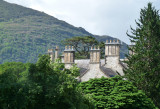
x: 115, y: 93
x: 144, y: 66
x: 82, y: 45
x: 102, y: 47
x: 53, y: 86
x: 13, y: 93
x: 40, y: 86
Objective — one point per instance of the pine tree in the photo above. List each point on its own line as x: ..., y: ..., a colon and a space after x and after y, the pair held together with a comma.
x: 144, y: 66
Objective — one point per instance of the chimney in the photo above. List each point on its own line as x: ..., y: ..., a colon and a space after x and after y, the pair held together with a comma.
x: 95, y: 55
x: 56, y: 52
x: 50, y: 53
x: 112, y: 48
x: 112, y: 56
x: 94, y: 69
x: 69, y: 56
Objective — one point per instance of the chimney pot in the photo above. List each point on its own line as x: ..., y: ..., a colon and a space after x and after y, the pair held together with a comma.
x: 106, y: 41
x: 65, y: 47
x: 110, y: 41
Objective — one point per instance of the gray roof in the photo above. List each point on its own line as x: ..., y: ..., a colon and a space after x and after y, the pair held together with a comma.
x: 83, y: 64
x: 107, y: 71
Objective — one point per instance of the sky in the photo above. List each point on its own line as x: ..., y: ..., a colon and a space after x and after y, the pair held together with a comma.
x: 99, y: 17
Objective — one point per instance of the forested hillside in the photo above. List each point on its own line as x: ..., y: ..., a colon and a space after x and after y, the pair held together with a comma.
x: 25, y: 33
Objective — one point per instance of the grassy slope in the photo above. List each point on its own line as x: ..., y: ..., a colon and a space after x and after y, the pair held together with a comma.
x: 25, y: 33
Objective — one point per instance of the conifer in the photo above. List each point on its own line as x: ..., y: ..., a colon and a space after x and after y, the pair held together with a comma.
x: 144, y: 66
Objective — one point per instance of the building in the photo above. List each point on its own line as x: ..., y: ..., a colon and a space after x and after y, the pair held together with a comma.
x: 95, y: 67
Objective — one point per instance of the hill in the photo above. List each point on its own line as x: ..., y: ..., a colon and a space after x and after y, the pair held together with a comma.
x: 25, y: 33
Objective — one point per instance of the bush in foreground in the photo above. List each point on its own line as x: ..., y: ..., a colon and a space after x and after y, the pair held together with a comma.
x: 115, y: 93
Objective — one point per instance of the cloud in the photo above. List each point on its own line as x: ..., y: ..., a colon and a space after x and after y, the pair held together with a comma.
x: 101, y: 17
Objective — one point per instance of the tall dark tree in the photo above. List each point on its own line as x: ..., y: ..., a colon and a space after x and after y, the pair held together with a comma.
x: 144, y: 66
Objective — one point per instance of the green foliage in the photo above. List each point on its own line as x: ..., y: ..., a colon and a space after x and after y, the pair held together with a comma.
x: 144, y: 66
x: 12, y: 90
x: 12, y: 93
x: 25, y: 33
x: 102, y: 47
x: 15, y: 67
x: 47, y: 85
x: 115, y: 93
x: 43, y: 85
x: 82, y: 45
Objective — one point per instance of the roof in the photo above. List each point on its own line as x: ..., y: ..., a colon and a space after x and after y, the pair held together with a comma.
x: 83, y: 64
x: 107, y: 71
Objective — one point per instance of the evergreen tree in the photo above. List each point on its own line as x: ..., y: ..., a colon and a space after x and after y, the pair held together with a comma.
x: 144, y: 66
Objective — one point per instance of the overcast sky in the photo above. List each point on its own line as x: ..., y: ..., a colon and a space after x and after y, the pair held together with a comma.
x: 100, y: 17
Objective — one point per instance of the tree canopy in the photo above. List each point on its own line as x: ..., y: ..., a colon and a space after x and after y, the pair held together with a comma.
x: 115, y: 93
x: 144, y: 66
x: 82, y: 45
x: 42, y: 85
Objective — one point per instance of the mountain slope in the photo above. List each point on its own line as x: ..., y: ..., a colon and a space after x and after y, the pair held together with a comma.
x: 25, y: 33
